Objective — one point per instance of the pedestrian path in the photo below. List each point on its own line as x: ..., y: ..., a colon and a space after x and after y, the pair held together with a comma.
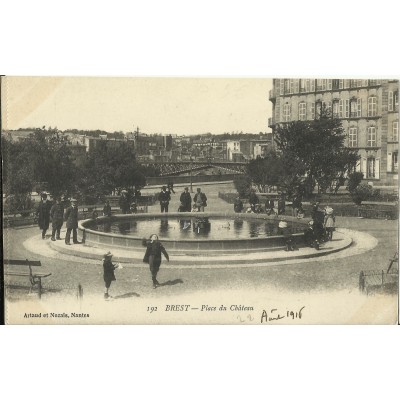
x: 35, y: 244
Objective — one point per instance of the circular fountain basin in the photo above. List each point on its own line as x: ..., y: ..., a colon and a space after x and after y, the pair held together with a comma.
x: 192, y: 233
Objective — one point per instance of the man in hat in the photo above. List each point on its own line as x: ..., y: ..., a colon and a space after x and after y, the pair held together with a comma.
x: 164, y: 197
x: 57, y: 214
x: 200, y: 200
x: 71, y: 216
x: 186, y: 201
x: 43, y: 214
x: 124, y: 203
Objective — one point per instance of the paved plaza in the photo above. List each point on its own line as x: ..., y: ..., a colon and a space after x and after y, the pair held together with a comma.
x: 333, y: 277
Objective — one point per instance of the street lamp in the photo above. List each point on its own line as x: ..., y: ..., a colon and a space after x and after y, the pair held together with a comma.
x: 191, y: 181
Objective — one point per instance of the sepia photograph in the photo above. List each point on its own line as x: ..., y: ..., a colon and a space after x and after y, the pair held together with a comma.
x: 184, y: 200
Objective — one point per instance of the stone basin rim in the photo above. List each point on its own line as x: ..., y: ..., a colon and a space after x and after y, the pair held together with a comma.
x: 243, y: 216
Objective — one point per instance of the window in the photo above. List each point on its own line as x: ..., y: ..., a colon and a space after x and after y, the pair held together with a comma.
x: 341, y: 83
x: 370, y: 167
x: 303, y: 85
x: 302, y: 111
x: 372, y: 106
x: 395, y: 131
x: 321, y: 84
x: 318, y: 107
x: 329, y: 84
x: 327, y: 106
x: 335, y: 109
x: 291, y: 85
x: 287, y: 86
x: 336, y: 84
x: 286, y: 112
x: 355, y: 108
x: 296, y: 85
x: 371, y: 138
x: 353, y: 137
x: 282, y: 86
x: 395, y: 161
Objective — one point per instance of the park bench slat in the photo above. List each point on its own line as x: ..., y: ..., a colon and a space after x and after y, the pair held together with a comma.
x: 37, y: 275
x: 22, y: 262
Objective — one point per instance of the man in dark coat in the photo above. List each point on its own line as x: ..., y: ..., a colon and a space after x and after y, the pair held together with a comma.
x: 164, y: 197
x: 71, y: 216
x: 238, y: 205
x: 124, y: 203
x: 43, y: 214
x: 186, y: 201
x: 57, y: 215
x: 253, y: 200
x: 154, y: 248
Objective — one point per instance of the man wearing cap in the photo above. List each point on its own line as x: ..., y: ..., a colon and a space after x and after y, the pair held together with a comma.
x: 71, y: 216
x: 57, y: 214
x: 186, y: 201
x: 164, y: 197
x: 43, y: 214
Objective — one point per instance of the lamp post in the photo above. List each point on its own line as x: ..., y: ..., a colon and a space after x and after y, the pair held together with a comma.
x: 191, y: 167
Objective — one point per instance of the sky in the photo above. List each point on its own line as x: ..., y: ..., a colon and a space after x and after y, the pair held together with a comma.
x: 183, y: 106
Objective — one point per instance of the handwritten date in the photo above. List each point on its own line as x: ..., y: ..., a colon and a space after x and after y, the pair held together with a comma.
x: 274, y: 315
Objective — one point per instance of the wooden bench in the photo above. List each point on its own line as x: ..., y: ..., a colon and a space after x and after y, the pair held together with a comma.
x: 35, y: 278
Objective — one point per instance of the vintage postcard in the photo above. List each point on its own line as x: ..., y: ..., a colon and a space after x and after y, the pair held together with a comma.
x: 200, y: 200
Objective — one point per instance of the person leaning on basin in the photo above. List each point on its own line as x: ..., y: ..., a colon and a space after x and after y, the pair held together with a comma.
x: 71, y: 216
x: 200, y: 200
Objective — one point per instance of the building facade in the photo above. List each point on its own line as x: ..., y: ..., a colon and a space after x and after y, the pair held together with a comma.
x: 368, y: 108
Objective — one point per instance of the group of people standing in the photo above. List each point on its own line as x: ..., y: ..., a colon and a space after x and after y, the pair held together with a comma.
x: 199, y: 200
x: 54, y: 212
x: 321, y: 227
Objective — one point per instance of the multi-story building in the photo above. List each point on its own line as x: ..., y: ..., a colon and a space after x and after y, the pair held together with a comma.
x: 368, y: 108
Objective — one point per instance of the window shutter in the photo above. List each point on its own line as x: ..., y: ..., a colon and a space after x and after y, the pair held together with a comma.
x: 390, y: 102
x: 389, y: 162
x: 364, y: 166
x: 358, y: 166
x: 377, y: 166
x: 359, y: 108
x: 347, y: 108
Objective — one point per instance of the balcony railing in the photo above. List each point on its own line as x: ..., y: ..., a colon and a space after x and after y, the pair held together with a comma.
x: 354, y: 114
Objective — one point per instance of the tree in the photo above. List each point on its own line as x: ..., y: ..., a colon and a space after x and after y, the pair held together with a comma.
x: 109, y: 168
x: 318, y: 147
x: 265, y: 172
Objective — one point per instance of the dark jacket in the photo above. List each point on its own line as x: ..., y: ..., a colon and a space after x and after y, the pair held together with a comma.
x: 164, y: 197
x: 57, y: 213
x: 154, y: 249
x: 107, y: 210
x: 109, y: 268
x: 43, y: 214
x: 203, y: 198
x: 253, y: 199
x: 238, y: 205
x: 124, y: 204
x: 186, y: 201
x: 71, y: 216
